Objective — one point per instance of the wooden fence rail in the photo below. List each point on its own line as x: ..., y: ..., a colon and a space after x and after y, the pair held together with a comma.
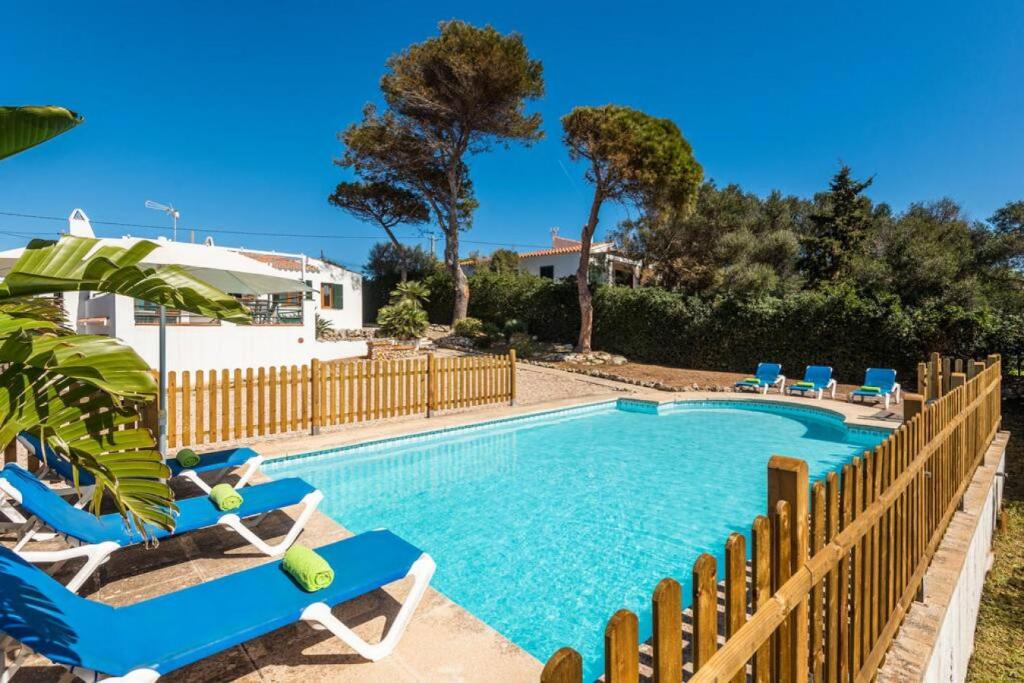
x: 836, y: 566
x: 217, y: 405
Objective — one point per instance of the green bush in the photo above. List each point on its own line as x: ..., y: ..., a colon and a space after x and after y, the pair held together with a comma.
x: 835, y: 326
x: 468, y: 327
x: 514, y: 326
x: 490, y: 334
x: 403, y: 320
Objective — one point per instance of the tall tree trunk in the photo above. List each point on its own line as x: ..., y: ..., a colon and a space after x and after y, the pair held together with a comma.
x: 583, y: 275
x: 403, y: 267
x: 451, y: 248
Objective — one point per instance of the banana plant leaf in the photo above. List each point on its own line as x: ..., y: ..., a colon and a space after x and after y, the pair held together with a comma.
x: 24, y: 127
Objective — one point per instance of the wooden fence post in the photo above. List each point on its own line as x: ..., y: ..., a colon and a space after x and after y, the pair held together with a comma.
x: 11, y: 452
x: 431, y: 384
x: 935, y: 376
x: 667, y: 620
x: 512, y: 376
x: 922, y: 379
x: 788, y: 481
x: 565, y: 666
x: 913, y: 404
x: 622, y: 648
x: 314, y: 396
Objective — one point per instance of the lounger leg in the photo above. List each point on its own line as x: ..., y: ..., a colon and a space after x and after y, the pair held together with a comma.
x: 310, y: 501
x: 252, y: 466
x: 193, y: 477
x: 422, y: 571
x: 94, y: 554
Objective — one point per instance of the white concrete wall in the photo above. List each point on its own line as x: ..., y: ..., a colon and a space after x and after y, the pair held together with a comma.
x: 350, y: 317
x: 955, y: 642
x: 225, y: 345
x: 565, y: 264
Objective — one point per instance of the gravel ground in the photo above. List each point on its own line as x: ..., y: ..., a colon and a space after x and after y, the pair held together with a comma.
x: 536, y: 384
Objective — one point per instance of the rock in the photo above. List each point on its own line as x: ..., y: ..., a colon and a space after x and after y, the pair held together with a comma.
x: 618, y: 360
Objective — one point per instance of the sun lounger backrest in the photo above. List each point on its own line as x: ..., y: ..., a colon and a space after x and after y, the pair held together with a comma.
x: 883, y: 378
x: 56, y: 512
x: 768, y: 372
x: 55, y: 462
x: 820, y: 375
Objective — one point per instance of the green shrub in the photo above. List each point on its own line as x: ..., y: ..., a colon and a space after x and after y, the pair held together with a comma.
x: 513, y: 326
x: 835, y: 326
x: 490, y: 334
x: 468, y: 327
x: 403, y: 320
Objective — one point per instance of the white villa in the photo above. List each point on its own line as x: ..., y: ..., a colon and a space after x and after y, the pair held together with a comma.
x: 283, y: 331
x: 607, y: 263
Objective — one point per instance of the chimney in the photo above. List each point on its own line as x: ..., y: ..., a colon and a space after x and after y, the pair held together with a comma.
x: 79, y: 225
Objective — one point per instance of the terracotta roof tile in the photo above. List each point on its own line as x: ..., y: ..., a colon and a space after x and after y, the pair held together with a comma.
x: 280, y: 262
x: 562, y: 250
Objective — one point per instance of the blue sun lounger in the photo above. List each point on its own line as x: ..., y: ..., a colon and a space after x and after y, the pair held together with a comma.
x: 768, y: 375
x: 218, y: 462
x: 879, y: 384
x: 95, y: 538
x: 141, y: 642
x: 817, y: 380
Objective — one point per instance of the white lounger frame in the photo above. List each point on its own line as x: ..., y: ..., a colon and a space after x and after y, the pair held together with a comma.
x: 252, y: 466
x: 318, y: 615
x: 96, y: 554
x: 818, y: 393
x: 779, y: 382
x: 896, y: 391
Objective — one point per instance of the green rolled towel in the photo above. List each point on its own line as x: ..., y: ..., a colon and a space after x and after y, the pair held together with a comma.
x: 187, y: 457
x: 871, y: 390
x: 752, y: 380
x: 805, y: 384
x: 225, y: 497
x: 307, y: 568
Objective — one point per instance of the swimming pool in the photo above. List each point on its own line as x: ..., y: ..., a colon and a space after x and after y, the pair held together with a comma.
x: 544, y: 526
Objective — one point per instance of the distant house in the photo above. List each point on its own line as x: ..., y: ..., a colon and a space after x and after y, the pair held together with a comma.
x: 607, y: 263
x: 283, y: 329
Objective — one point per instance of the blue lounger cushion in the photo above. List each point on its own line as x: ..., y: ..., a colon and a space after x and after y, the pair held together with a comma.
x: 208, y: 462
x: 173, y: 630
x: 62, y: 466
x: 218, y: 460
x: 193, y: 513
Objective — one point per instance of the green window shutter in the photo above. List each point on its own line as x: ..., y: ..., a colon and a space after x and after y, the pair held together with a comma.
x: 337, y: 297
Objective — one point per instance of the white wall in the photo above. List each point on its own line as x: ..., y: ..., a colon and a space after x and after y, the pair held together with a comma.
x: 350, y: 317
x: 195, y: 347
x: 565, y: 264
x: 955, y: 641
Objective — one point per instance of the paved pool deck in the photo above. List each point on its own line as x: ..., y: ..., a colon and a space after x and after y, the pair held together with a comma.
x: 444, y: 642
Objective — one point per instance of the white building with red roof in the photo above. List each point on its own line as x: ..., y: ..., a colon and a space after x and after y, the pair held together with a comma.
x: 561, y: 260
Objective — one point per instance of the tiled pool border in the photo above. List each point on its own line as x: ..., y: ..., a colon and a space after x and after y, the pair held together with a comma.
x: 626, y: 404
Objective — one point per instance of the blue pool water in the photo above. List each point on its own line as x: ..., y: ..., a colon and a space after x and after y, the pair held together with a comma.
x: 544, y: 526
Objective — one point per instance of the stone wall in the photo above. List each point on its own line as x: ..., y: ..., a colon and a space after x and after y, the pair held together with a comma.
x: 388, y: 349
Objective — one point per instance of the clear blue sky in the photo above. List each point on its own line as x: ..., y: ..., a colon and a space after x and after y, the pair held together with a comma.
x: 230, y: 110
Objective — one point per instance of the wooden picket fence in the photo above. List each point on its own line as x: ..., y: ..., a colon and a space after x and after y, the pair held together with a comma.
x: 213, y: 406
x: 834, y: 567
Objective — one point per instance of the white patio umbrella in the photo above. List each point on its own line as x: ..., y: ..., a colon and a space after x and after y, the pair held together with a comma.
x: 227, y: 270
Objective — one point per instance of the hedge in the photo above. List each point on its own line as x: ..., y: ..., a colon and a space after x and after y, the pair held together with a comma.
x: 834, y: 327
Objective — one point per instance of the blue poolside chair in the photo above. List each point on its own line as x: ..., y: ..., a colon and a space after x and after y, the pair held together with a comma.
x: 817, y: 380
x: 139, y: 643
x: 95, y: 538
x: 768, y: 375
x: 879, y: 384
x: 215, y: 462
